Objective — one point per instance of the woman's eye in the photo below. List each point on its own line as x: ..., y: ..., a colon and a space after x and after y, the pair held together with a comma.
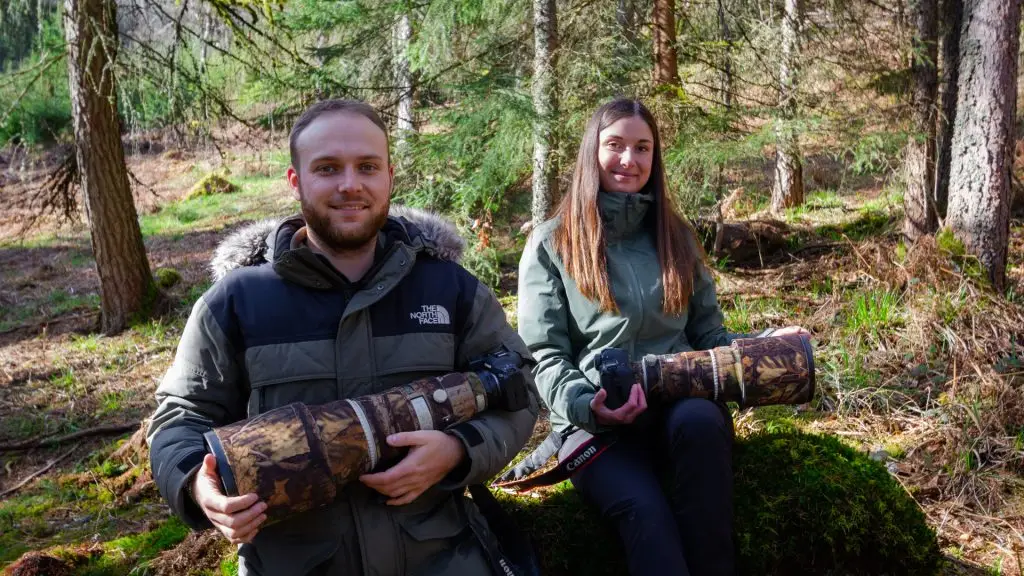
x: 643, y: 149
x: 614, y: 146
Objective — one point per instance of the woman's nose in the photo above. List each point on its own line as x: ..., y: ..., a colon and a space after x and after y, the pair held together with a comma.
x: 626, y: 158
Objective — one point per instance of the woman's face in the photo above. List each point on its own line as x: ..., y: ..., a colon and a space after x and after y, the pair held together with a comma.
x: 625, y: 153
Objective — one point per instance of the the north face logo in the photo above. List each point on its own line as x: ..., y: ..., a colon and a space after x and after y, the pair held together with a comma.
x: 432, y: 314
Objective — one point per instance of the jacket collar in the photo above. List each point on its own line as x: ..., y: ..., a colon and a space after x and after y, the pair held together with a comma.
x: 406, y: 230
x: 623, y: 213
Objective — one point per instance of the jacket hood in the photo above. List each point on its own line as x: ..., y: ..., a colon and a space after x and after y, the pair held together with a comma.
x: 254, y: 244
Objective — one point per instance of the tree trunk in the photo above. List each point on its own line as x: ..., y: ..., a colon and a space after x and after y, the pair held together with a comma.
x: 725, y: 74
x: 788, y: 189
x: 953, y: 12
x: 126, y: 284
x: 401, y: 34
x: 666, y: 67
x: 983, y: 136
x: 919, y: 160
x: 624, y: 18
x: 726, y: 88
x: 545, y: 105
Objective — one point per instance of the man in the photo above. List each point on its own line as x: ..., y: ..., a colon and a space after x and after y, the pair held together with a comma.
x: 349, y: 302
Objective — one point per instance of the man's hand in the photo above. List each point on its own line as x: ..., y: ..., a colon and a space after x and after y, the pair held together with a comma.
x: 432, y: 455
x: 624, y: 414
x: 790, y: 330
x: 237, y: 517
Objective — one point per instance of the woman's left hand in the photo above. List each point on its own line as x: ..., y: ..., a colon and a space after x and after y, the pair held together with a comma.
x: 790, y: 330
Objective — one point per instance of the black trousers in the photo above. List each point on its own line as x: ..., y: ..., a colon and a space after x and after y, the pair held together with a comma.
x: 666, y: 485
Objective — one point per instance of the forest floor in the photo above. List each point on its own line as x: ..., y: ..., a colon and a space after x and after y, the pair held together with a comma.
x: 919, y: 365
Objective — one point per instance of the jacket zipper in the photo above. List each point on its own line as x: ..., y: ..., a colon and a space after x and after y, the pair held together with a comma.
x: 640, y: 302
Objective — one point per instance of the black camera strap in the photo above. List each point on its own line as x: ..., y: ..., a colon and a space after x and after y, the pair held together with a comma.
x: 508, y: 550
x: 578, y: 451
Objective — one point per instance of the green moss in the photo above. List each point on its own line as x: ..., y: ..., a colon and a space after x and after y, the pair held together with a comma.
x: 123, y: 555
x: 804, y: 504
x: 229, y: 565
x: 166, y: 277
x: 212, y: 183
x: 809, y: 505
x: 948, y: 242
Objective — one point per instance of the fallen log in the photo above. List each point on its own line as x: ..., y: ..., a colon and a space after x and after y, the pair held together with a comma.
x: 746, y: 243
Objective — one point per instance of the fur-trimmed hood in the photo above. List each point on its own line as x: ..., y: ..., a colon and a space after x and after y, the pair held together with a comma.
x: 253, y: 244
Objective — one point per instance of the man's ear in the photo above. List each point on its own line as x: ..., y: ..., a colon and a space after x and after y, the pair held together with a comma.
x: 391, y: 175
x: 293, y: 180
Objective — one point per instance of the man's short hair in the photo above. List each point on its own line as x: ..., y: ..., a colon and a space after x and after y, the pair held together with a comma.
x: 326, y: 106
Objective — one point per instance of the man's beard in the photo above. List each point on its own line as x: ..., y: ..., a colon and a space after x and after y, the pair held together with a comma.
x: 338, y: 239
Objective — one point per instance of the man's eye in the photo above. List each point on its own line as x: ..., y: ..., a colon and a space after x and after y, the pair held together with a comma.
x: 325, y: 169
x: 368, y: 167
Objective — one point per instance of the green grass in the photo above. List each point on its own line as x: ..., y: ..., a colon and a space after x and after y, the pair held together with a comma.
x: 66, y: 381
x: 744, y: 315
x: 874, y: 312
x: 816, y: 201
x: 259, y: 197
x: 56, y: 303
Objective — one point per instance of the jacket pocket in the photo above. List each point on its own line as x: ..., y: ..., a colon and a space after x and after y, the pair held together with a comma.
x: 414, y: 352
x: 427, y: 533
x: 265, y: 396
x: 280, y: 374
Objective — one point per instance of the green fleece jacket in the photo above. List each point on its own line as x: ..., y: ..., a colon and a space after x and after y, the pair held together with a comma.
x: 566, y: 332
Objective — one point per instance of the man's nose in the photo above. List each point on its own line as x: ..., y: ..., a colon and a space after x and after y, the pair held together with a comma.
x: 348, y: 180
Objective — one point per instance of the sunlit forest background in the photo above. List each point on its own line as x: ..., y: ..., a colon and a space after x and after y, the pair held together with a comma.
x: 852, y: 166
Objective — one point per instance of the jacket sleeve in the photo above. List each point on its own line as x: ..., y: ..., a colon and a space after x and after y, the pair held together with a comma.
x: 494, y: 437
x: 200, y: 391
x: 544, y: 327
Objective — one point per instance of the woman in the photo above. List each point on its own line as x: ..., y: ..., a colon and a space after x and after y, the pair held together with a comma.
x: 618, y: 267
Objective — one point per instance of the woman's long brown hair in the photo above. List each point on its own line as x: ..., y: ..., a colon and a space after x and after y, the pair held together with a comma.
x: 579, y: 237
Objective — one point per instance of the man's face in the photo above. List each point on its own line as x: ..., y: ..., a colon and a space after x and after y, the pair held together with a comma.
x: 343, y: 179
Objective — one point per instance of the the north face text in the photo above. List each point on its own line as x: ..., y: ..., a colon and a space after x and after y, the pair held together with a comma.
x: 432, y: 314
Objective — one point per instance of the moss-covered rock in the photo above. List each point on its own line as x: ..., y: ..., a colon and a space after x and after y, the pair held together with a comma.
x: 166, y: 277
x: 805, y: 504
x: 212, y: 183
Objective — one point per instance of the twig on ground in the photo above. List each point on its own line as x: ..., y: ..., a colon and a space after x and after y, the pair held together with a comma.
x: 40, y: 443
x: 36, y: 323
x: 38, y: 473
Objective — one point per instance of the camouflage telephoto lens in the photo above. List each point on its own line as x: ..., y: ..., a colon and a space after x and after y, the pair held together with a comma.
x: 750, y: 372
x: 299, y: 457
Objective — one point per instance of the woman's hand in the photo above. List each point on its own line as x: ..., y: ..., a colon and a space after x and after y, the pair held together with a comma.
x: 624, y: 414
x: 790, y: 330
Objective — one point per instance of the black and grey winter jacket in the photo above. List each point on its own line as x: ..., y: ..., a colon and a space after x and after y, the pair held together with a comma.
x: 281, y: 325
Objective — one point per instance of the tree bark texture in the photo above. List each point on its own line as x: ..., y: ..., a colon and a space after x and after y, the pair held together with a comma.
x: 666, y: 67
x: 126, y: 284
x: 919, y: 215
x: 788, y: 188
x: 952, y: 15
x: 624, y: 18
x: 545, y: 105
x: 983, y: 136
x: 726, y: 87
x: 401, y: 35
